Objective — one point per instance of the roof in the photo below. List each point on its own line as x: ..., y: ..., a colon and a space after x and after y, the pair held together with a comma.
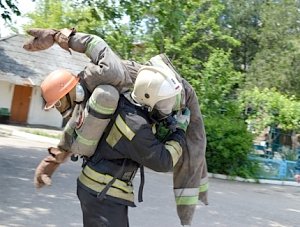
x: 19, y: 66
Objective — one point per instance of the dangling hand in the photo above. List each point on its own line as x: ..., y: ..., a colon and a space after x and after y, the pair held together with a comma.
x: 48, y: 165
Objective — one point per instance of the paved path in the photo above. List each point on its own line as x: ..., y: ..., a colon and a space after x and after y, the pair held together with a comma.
x: 231, y: 203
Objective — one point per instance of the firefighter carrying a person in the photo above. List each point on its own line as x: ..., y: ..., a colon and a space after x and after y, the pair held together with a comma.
x: 118, y: 76
x: 104, y: 186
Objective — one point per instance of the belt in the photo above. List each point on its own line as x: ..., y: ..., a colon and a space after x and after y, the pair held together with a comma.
x: 98, y: 182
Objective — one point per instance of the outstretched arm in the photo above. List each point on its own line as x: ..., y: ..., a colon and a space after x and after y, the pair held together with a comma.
x: 106, y: 66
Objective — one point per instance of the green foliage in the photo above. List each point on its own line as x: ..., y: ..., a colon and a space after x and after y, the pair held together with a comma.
x: 269, y: 107
x: 276, y: 65
x: 218, y: 84
x: 200, y: 36
x: 60, y: 14
x: 228, y: 146
x: 241, y: 20
x: 100, y: 18
x: 8, y: 7
x: 141, y: 29
x: 288, y: 154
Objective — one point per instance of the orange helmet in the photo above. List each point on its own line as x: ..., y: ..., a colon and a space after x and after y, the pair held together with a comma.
x: 56, y: 85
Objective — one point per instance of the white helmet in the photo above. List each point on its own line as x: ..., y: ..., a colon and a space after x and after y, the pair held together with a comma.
x: 154, y: 84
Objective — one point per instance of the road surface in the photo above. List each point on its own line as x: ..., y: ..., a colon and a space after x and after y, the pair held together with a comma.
x: 231, y: 203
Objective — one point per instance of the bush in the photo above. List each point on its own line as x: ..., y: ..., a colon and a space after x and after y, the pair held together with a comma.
x: 228, y: 146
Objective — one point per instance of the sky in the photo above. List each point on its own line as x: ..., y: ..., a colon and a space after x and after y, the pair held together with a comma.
x: 25, y: 6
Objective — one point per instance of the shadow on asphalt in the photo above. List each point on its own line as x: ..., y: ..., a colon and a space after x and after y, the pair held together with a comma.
x: 22, y: 204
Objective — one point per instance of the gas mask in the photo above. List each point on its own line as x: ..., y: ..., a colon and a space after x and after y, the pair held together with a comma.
x: 67, y: 103
x: 163, y: 109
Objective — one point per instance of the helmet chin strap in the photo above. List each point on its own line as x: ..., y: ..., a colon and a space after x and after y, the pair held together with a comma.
x: 67, y: 113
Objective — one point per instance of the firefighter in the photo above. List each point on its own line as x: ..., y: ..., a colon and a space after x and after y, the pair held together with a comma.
x: 190, y: 173
x: 104, y: 186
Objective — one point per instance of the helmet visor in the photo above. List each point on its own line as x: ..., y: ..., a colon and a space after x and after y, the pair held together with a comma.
x: 163, y: 109
x: 165, y: 106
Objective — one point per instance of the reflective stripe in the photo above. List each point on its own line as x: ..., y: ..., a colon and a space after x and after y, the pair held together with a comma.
x: 92, y: 45
x: 105, y: 179
x: 96, y: 114
x: 87, y: 142
x: 175, y: 150
x: 154, y: 129
x: 186, y: 196
x: 68, y: 129
x: 187, y: 200
x: 203, y: 188
x: 100, y: 109
x: 123, y: 127
x: 204, y: 180
x: 186, y: 192
x: 203, y: 184
x: 97, y: 187
x: 114, y: 136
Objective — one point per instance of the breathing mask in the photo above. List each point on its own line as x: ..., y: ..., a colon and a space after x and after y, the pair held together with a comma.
x: 67, y: 103
x: 163, y: 109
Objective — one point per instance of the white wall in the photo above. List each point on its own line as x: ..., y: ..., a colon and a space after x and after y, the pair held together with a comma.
x: 37, y: 115
x: 6, y: 94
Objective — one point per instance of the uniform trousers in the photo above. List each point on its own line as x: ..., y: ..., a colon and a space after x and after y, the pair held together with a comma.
x: 101, y: 213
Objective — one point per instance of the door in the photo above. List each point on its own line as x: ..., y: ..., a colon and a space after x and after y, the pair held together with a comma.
x: 20, y: 104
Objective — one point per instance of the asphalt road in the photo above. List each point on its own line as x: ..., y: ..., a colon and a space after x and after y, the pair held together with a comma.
x: 231, y: 203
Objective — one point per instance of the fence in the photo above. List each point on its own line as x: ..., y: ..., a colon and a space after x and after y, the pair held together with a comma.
x: 275, y: 169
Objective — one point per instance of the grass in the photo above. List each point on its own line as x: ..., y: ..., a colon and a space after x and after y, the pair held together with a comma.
x: 43, y: 133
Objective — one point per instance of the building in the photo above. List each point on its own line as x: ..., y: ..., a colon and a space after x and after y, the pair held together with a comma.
x: 21, y: 73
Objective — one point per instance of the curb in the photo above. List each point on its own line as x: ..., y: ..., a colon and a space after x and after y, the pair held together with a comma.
x: 44, y: 139
x: 5, y: 132
x: 260, y: 181
x: 29, y: 136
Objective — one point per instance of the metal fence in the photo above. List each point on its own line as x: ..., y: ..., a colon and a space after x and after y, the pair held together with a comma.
x: 275, y: 169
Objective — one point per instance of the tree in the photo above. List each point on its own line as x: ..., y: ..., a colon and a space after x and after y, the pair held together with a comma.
x: 228, y: 146
x: 268, y: 107
x: 217, y: 88
x: 61, y: 14
x: 277, y: 62
x: 241, y: 19
x: 228, y: 143
x: 9, y: 8
x: 199, y: 36
x: 103, y: 18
